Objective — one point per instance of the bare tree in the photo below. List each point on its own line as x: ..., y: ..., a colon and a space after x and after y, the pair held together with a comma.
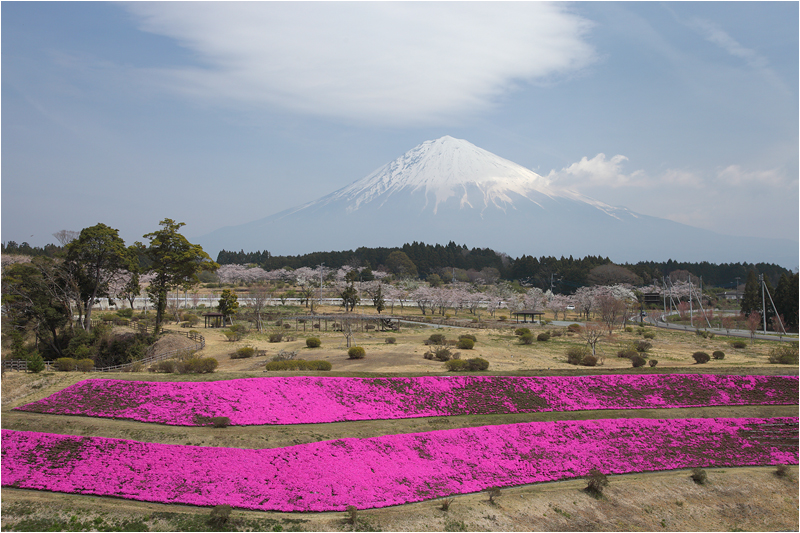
x: 592, y: 332
x: 610, y: 309
x: 753, y: 321
x: 66, y: 236
x: 259, y: 296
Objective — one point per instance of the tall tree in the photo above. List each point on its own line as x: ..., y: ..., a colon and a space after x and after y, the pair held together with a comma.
x: 174, y: 261
x: 98, y: 257
x: 751, y: 300
x: 228, y: 304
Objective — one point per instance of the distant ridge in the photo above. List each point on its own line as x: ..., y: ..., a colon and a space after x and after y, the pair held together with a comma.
x: 451, y: 190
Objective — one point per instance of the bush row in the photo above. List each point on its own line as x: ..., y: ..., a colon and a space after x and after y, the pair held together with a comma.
x: 298, y: 364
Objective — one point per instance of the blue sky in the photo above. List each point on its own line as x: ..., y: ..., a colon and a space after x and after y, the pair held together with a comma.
x: 216, y: 114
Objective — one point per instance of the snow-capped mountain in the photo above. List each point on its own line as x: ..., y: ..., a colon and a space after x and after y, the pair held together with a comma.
x: 450, y: 190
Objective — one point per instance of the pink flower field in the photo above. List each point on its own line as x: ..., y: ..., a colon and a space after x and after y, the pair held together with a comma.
x: 389, y: 470
x: 306, y: 399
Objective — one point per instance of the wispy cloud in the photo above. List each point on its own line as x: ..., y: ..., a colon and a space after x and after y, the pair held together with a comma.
x: 381, y: 62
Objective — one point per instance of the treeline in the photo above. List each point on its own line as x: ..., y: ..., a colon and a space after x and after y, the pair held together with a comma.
x: 49, y: 250
x: 565, y: 274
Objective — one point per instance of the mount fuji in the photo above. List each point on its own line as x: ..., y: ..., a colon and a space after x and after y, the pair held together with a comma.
x: 450, y: 190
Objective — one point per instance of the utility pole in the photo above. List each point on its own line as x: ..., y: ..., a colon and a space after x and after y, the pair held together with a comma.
x: 763, y: 302
x: 736, y: 289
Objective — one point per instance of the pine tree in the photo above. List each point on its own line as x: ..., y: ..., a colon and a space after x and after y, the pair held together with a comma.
x: 751, y: 301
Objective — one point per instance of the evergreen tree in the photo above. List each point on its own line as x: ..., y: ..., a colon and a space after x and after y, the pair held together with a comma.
x: 751, y: 300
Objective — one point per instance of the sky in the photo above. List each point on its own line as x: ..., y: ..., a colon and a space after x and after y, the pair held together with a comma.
x: 218, y: 114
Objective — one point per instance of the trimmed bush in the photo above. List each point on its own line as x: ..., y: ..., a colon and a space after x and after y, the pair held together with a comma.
x: 313, y: 342
x: 275, y: 337
x: 718, y: 354
x: 167, y: 366
x: 233, y: 336
x: 66, y: 364
x: 356, y: 352
x: 526, y: 338
x: 298, y: 364
x: 701, y: 357
x: 390, y: 340
x: 575, y: 354
x: 469, y: 336
x: 521, y: 331
x: 456, y: 365
x: 652, y: 363
x: 243, y: 353
x: 643, y: 346
x: 287, y: 326
x: 699, y: 476
x: 440, y: 353
x: 739, y: 345
x: 437, y: 338
x: 465, y: 343
x: 637, y: 361
x: 574, y: 328
x: 589, y: 360
x: 649, y: 335
x: 628, y: 353
x: 543, y: 337
x: 84, y: 365
x: 219, y: 515
x: 220, y: 421
x: 785, y: 354
x: 477, y: 364
x: 125, y: 313
x: 196, y: 365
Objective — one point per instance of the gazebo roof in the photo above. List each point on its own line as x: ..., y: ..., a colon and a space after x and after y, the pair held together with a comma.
x: 528, y: 312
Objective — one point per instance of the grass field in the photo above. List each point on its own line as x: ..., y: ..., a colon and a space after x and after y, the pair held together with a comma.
x: 735, y: 499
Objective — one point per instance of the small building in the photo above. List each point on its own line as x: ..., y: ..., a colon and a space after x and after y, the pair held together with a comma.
x: 213, y: 320
x: 525, y: 313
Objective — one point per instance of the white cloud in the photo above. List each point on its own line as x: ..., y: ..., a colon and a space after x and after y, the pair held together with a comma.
x: 737, y: 176
x: 380, y: 62
x: 596, y: 172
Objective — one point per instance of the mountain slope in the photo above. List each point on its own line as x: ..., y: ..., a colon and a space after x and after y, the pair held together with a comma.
x: 450, y: 190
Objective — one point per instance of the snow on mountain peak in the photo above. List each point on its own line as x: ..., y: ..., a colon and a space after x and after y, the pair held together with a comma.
x: 447, y: 168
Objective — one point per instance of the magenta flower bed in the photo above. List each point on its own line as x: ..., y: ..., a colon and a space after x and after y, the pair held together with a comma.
x: 390, y: 470
x: 304, y: 400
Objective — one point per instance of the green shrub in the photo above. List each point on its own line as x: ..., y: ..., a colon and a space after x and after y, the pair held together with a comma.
x: 313, y: 342
x: 649, y: 335
x: 66, y: 364
x: 574, y: 328
x: 356, y: 352
x: 125, y: 313
x: 699, y: 476
x: 243, y: 353
x: 643, y: 346
x: 575, y: 354
x: 637, y: 361
x: 526, y: 338
x: 437, y: 338
x: 543, y: 337
x: 718, y: 354
x: 275, y: 337
x: 84, y: 365
x: 628, y: 353
x: 477, y: 364
x: 440, y: 353
x: 469, y: 336
x: 701, y: 357
x: 220, y: 515
x: 220, y: 421
x: 233, y: 336
x: 556, y: 333
x: 35, y: 363
x: 456, y: 365
x: 298, y: 364
x: 465, y: 343
x: 652, y: 363
x: 521, y: 331
x: 785, y: 354
x: 628, y: 329
x: 589, y: 360
x: 287, y: 326
x: 163, y: 366
x: 390, y: 340
x: 739, y: 344
x: 196, y: 365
